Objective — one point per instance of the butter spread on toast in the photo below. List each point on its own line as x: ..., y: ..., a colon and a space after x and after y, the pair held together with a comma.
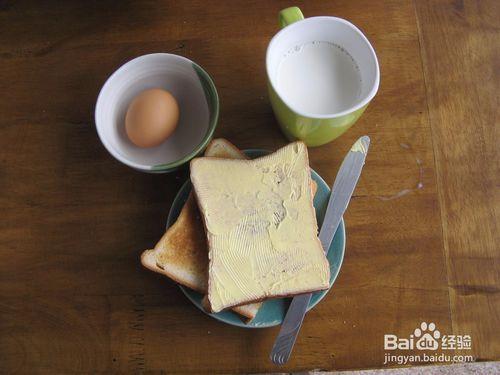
x: 261, y: 227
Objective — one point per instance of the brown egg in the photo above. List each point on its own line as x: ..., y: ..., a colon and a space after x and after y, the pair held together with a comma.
x: 151, y: 118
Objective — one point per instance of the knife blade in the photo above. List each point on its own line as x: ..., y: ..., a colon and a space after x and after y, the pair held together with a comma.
x: 343, y: 187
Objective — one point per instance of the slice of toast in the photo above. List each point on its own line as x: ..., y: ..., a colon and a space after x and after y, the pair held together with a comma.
x: 261, y: 227
x: 181, y: 254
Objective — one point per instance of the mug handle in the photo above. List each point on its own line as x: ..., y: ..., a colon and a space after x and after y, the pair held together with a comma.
x: 289, y: 15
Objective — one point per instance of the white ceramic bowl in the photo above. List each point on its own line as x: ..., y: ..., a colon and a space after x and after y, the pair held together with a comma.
x: 198, y: 103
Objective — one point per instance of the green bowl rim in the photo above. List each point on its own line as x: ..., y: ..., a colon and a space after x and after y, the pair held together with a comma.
x: 211, y: 126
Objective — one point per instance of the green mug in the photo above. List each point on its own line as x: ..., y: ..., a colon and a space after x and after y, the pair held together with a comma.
x: 322, y: 73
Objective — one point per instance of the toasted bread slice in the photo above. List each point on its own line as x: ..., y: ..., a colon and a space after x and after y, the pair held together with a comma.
x: 181, y: 254
x: 261, y: 227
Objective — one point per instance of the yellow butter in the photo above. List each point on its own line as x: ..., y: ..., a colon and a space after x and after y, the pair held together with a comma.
x: 261, y: 227
x: 359, y: 146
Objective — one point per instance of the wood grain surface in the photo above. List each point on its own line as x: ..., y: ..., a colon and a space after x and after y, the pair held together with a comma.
x: 73, y: 295
x: 461, y: 59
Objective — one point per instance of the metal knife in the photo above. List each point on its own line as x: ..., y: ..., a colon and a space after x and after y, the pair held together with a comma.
x: 343, y: 187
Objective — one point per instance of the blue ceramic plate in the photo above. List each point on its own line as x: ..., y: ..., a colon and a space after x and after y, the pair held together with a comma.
x: 273, y: 311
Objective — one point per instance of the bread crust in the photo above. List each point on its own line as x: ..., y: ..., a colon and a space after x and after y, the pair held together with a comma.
x: 214, y: 143
x: 149, y: 261
x: 240, y: 309
x: 208, y: 306
x: 233, y: 307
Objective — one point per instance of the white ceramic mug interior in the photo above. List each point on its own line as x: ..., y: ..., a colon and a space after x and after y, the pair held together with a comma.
x: 333, y: 30
x: 174, y: 73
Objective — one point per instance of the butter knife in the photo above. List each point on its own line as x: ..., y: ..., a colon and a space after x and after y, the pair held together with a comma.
x: 343, y: 187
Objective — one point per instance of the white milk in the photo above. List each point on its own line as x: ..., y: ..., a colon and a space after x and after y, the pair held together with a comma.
x: 319, y: 78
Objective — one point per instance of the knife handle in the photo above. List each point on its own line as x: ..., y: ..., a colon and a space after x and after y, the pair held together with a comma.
x: 290, y: 328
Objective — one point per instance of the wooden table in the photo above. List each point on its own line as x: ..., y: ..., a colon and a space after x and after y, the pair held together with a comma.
x: 73, y: 294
